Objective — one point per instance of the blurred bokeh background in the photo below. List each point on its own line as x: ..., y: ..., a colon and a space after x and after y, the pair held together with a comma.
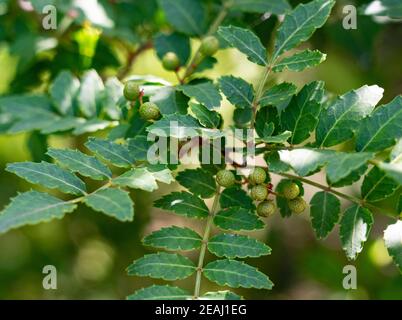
x: 91, y: 251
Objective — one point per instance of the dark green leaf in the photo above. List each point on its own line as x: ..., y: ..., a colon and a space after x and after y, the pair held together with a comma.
x: 48, y: 175
x: 325, y: 209
x: 205, y: 93
x: 235, y: 197
x: 174, y: 238
x: 77, y: 161
x: 160, y: 293
x: 236, y: 274
x: 278, y: 94
x: 198, y: 181
x: 183, y: 203
x: 31, y: 208
x: 236, y: 219
x: 116, y: 154
x: 246, y: 42
x: 237, y: 246
x: 113, y: 202
x: 239, y: 92
x: 166, y: 266
x: 300, y: 61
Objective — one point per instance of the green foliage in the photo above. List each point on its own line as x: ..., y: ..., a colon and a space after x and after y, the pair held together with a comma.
x: 296, y: 129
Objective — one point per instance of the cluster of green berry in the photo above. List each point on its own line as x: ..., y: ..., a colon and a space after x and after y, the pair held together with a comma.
x: 260, y: 191
x: 209, y: 46
x: 291, y: 191
x: 147, y: 110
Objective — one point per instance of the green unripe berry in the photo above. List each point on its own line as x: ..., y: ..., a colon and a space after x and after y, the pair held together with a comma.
x: 225, y: 178
x: 170, y: 61
x: 149, y: 111
x: 258, y: 176
x: 131, y: 90
x: 266, y: 208
x: 259, y: 193
x: 291, y: 191
x: 297, y: 205
x: 209, y: 46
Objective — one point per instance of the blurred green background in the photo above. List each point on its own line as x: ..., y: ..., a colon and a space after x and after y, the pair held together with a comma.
x: 91, y: 251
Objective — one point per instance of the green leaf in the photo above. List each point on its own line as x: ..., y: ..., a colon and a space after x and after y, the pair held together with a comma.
x: 138, y: 147
x: 166, y: 266
x: 278, y: 94
x: 176, y: 126
x: 301, y: 61
x: 342, y: 118
x: 393, y: 242
x: 205, y: 93
x: 170, y: 101
x: 115, y: 203
x: 112, y: 95
x: 91, y: 125
x: 116, y: 154
x: 300, y: 24
x: 183, y: 203
x: 237, y: 246
x: 48, y: 175
x: 174, y: 42
x: 377, y: 186
x: 63, y: 91
x: 382, y: 128
x: 209, y: 119
x: 393, y: 170
x: 160, y: 293
x: 236, y: 274
x: 384, y: 8
x: 340, y: 165
x: 301, y: 115
x: 221, y: 295
x: 246, y: 42
x: 235, y: 197
x: 279, y: 139
x: 143, y: 178
x: 187, y: 16
x: 238, y: 91
x: 31, y: 208
x: 325, y: 209
x: 174, y: 238
x: 63, y: 124
x: 237, y: 219
x: 77, y: 161
x: 355, y: 227
x: 261, y: 6
x: 198, y: 181
x: 90, y: 93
